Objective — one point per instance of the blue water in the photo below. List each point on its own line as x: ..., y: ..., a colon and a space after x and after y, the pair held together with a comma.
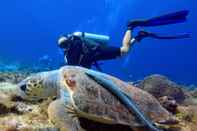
x: 29, y: 30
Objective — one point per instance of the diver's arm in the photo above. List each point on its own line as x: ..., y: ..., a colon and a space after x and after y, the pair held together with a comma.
x: 127, y: 42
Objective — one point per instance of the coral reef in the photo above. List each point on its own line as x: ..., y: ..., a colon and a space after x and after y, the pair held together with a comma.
x: 194, y: 93
x: 24, y: 116
x: 160, y: 86
x: 13, y: 77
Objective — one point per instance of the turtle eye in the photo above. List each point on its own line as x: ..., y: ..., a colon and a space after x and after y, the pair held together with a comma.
x: 23, y: 87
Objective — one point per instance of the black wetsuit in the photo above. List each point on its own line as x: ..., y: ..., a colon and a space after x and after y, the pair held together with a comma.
x: 84, y: 52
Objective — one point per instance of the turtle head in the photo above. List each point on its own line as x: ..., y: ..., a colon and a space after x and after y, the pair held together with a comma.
x: 31, y: 88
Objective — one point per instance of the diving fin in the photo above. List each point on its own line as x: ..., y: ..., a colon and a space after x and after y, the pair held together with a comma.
x: 181, y: 36
x: 144, y: 34
x: 171, y: 18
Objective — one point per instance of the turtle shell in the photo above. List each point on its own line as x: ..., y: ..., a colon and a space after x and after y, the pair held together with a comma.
x: 94, y: 102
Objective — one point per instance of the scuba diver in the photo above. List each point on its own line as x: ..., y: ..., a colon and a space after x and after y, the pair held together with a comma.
x: 85, y: 49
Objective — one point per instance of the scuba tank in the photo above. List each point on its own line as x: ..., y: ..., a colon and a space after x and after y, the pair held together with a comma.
x: 94, y: 37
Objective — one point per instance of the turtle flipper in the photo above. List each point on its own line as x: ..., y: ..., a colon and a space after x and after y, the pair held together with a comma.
x: 63, y: 116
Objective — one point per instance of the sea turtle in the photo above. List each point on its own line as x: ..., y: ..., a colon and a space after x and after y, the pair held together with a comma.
x: 81, y: 97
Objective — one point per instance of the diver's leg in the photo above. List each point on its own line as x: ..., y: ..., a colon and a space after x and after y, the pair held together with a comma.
x: 128, y: 39
x: 112, y: 52
x: 127, y: 42
x: 62, y: 115
x: 172, y: 18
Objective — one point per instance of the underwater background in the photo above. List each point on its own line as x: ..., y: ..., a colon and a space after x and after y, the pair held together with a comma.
x: 29, y: 31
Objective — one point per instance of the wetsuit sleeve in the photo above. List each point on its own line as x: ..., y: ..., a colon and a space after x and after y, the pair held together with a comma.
x: 107, y: 52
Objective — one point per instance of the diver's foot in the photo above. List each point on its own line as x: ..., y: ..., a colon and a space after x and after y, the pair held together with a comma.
x: 134, y: 23
x: 143, y: 34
